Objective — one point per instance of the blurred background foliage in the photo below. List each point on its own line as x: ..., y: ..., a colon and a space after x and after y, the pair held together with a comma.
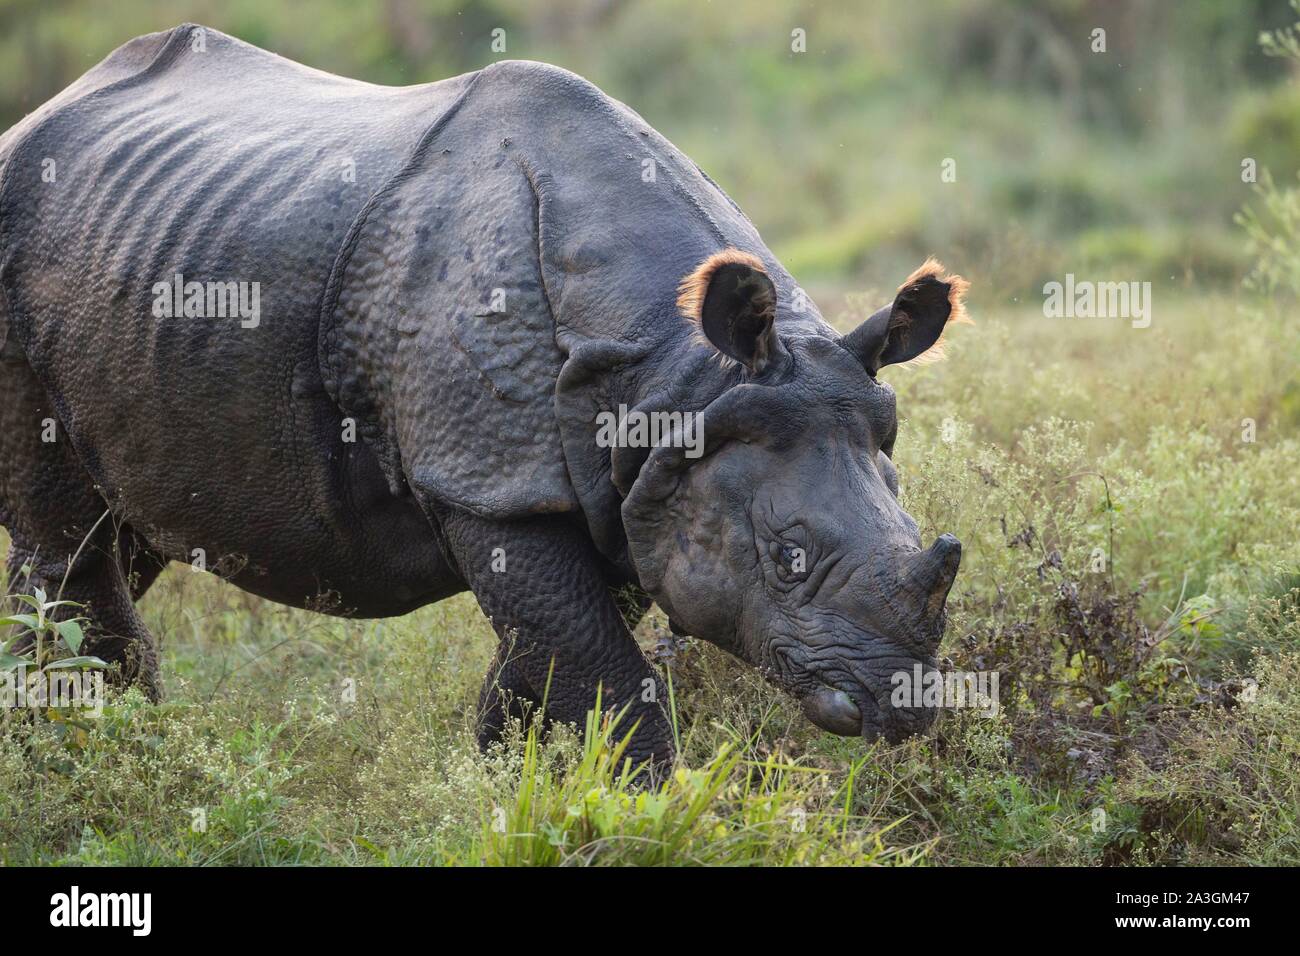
x: 1123, y: 164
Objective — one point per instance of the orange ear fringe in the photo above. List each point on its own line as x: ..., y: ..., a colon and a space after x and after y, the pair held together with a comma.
x: 695, y: 285
x: 957, y: 288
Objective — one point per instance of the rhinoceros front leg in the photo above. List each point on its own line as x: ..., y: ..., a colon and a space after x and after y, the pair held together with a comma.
x: 562, y: 635
x: 53, y: 513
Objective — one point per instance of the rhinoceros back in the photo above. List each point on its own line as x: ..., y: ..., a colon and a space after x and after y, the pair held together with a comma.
x: 199, y: 156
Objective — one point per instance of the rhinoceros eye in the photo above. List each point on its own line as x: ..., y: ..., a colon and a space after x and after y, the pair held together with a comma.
x: 790, y: 555
x: 791, y: 559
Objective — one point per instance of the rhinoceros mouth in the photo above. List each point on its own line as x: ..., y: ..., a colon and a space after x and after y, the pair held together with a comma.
x: 834, y: 711
x: 860, y: 713
x: 850, y: 715
x: 850, y: 702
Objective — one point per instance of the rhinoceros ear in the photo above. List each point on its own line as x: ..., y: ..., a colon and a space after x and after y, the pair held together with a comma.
x: 912, y: 326
x: 732, y: 302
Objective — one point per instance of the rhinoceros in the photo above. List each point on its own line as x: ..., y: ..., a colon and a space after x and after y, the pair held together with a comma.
x: 360, y: 348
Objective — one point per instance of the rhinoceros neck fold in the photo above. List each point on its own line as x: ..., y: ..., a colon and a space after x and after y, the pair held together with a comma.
x: 621, y: 216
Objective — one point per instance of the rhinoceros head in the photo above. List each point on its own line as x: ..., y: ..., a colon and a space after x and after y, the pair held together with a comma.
x: 782, y: 538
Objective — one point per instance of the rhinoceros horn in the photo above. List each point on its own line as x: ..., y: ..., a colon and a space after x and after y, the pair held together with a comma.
x: 928, y: 576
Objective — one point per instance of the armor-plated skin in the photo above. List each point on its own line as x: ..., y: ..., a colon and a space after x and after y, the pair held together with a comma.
x: 454, y: 280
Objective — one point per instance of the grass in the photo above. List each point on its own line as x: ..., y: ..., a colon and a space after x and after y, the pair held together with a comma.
x: 289, y: 738
x: 265, y: 755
